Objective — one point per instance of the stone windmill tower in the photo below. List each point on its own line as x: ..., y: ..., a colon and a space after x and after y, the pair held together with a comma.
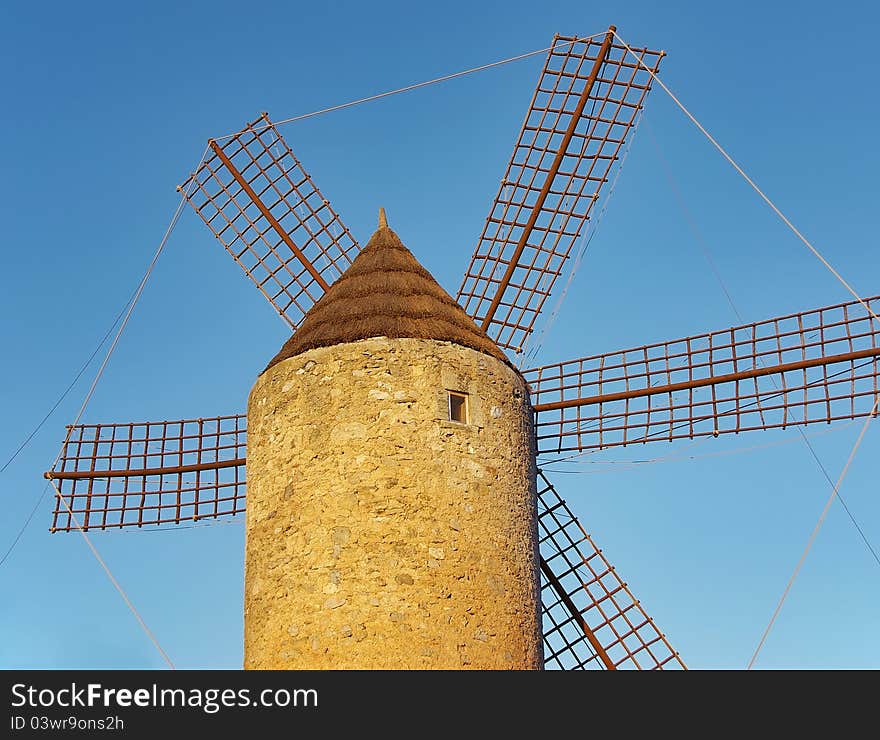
x: 387, y: 462
x: 391, y: 473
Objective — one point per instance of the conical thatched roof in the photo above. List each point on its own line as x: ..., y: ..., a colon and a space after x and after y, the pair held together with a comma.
x: 386, y: 293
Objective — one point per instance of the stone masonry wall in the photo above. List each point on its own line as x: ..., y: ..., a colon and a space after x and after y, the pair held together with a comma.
x: 379, y: 533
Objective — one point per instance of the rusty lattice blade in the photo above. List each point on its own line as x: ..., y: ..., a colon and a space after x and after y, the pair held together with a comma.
x: 591, y: 619
x: 150, y: 473
x: 587, y: 100
x: 261, y: 204
x: 819, y: 365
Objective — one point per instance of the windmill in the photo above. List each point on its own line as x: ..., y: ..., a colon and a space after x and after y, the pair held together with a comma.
x: 575, y: 610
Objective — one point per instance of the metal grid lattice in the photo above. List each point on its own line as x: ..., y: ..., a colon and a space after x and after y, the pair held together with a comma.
x: 151, y: 473
x: 819, y: 365
x: 261, y: 204
x: 587, y: 99
x: 591, y: 619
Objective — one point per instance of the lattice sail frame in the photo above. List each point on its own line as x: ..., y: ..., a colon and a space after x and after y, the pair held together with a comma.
x: 814, y: 366
x: 152, y: 473
x: 588, y: 97
x: 591, y: 619
x: 254, y: 195
x: 818, y: 365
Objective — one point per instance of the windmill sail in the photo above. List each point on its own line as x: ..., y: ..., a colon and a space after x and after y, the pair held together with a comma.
x: 591, y: 618
x: 255, y: 196
x: 587, y: 99
x: 150, y: 473
x: 815, y: 366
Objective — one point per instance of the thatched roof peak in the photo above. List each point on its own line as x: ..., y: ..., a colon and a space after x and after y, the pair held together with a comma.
x: 385, y: 292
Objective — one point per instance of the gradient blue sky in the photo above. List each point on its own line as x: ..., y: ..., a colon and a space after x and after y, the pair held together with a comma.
x: 107, y: 108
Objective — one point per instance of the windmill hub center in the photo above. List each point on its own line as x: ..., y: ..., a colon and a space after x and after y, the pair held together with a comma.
x: 391, y: 485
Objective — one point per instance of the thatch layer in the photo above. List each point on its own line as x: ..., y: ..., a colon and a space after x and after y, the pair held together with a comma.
x: 386, y: 293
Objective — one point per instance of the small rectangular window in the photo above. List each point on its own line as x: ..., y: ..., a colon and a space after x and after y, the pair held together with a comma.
x: 458, y: 407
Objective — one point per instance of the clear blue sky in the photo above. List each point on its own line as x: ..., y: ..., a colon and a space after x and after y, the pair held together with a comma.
x: 107, y: 108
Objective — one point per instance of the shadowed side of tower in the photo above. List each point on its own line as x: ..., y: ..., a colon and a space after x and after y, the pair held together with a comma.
x: 391, y: 485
